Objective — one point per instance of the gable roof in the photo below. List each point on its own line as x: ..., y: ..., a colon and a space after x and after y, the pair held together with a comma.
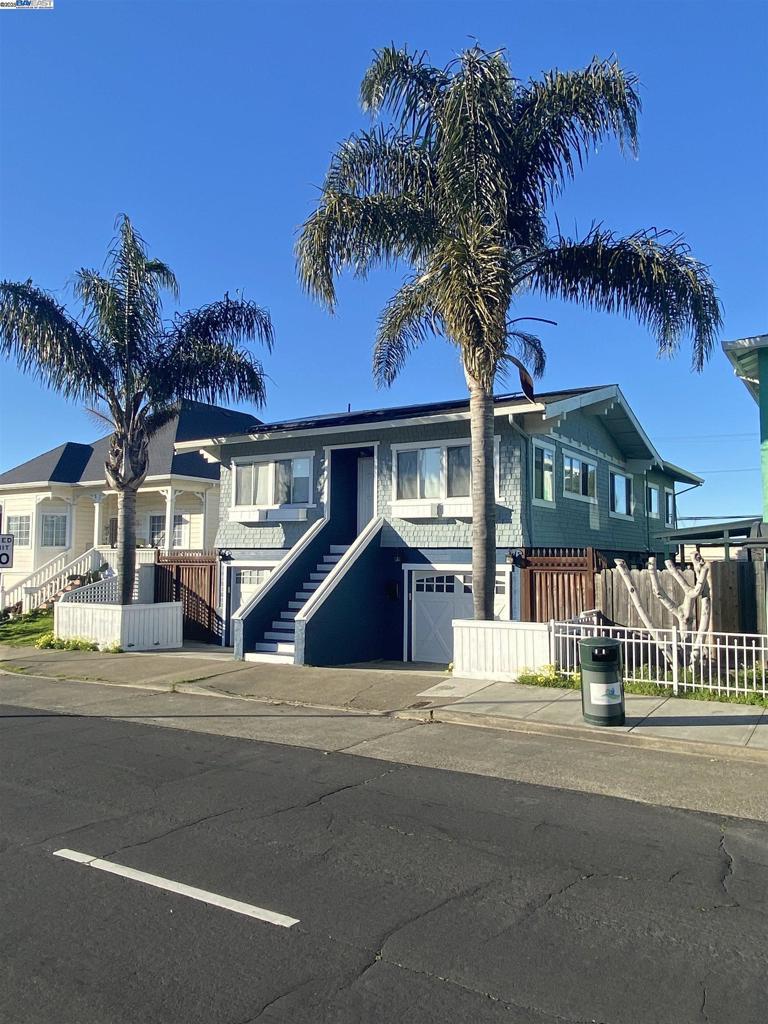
x: 74, y: 463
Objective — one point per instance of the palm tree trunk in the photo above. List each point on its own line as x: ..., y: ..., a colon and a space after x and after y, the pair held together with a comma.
x: 125, y: 555
x: 483, y: 498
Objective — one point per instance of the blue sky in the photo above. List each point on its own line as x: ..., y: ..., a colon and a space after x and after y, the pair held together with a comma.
x: 211, y: 122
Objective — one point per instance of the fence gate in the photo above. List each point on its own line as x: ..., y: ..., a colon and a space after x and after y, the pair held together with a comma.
x: 556, y: 583
x: 192, y: 578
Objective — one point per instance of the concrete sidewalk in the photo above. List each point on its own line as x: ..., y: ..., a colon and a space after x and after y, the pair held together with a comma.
x: 398, y: 690
x: 512, y: 705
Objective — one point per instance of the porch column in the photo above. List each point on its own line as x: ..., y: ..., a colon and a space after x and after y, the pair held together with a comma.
x: 762, y: 372
x: 98, y: 500
x: 170, y: 504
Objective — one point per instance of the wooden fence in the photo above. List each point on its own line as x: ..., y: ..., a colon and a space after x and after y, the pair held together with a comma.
x: 738, y: 597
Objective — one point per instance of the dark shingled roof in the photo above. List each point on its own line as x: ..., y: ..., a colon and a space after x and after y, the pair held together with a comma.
x: 403, y: 412
x: 72, y: 463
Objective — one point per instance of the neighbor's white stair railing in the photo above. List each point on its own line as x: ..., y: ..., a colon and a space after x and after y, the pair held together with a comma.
x: 44, y: 583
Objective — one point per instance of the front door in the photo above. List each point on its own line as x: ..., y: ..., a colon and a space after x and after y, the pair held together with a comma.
x: 365, y: 482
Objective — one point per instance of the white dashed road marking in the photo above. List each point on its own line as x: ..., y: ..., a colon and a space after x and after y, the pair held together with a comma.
x: 202, y: 895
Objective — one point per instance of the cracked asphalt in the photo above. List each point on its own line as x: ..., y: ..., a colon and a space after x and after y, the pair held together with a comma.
x: 423, y: 895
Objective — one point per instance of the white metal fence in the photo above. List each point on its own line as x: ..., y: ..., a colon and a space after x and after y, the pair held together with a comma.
x: 727, y: 663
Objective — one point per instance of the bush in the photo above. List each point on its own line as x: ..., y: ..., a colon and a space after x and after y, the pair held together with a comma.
x: 49, y: 641
x: 112, y: 649
x: 548, y: 675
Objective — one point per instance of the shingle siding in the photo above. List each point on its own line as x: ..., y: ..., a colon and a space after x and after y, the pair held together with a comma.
x: 569, y: 522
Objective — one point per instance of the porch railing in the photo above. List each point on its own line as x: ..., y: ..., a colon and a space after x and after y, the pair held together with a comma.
x: 44, y: 583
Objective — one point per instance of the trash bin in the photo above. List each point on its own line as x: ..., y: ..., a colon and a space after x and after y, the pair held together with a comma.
x: 602, y: 688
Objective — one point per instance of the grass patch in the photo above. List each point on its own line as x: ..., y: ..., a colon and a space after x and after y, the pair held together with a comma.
x: 26, y: 630
x: 550, y: 676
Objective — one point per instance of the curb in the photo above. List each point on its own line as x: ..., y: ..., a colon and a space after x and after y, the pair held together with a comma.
x: 590, y: 734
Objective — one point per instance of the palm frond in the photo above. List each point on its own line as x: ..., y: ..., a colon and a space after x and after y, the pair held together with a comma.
x: 381, y: 161
x: 139, y: 281
x: 560, y: 121
x: 48, y: 343
x: 650, y: 276
x: 403, y: 83
x: 158, y: 416
x: 530, y: 349
x: 209, y: 371
x: 407, y: 320
x: 228, y: 320
x: 358, y: 233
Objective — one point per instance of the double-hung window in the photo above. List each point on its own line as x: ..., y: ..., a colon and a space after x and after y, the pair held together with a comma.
x: 436, y: 472
x: 579, y: 477
x: 543, y: 473
x: 284, y: 481
x: 179, y: 533
x: 19, y: 526
x: 621, y: 495
x: 652, y: 504
x: 669, y: 507
x: 53, y: 530
x: 157, y: 531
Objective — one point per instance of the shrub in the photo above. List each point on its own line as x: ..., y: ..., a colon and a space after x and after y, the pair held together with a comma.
x: 111, y: 649
x: 50, y: 641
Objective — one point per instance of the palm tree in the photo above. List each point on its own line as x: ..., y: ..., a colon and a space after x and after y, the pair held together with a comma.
x: 458, y: 184
x: 130, y: 363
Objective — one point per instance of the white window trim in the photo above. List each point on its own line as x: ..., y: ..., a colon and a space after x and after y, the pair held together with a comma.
x: 581, y: 457
x: 670, y: 490
x: 271, y: 460
x: 7, y: 528
x: 55, y: 512
x: 186, y: 526
x: 545, y: 446
x: 657, y: 488
x: 627, y: 517
x: 453, y: 507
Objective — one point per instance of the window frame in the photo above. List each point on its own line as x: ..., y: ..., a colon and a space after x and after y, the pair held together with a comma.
x: 669, y: 492
x: 584, y: 460
x: 628, y: 478
x: 456, y: 503
x: 54, y: 515
x: 648, y: 510
x: 7, y: 529
x: 271, y: 461
x: 185, y: 524
x: 545, y: 446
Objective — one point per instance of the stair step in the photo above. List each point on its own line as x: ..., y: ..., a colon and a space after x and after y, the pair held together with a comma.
x: 290, y: 613
x: 311, y: 585
x: 339, y: 549
x: 282, y: 636
x: 268, y: 658
x: 303, y: 596
x: 319, y: 576
x: 296, y: 606
x: 274, y: 647
x: 330, y: 560
x: 285, y: 625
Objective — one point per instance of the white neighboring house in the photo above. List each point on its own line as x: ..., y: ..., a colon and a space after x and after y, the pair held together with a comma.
x: 64, y: 516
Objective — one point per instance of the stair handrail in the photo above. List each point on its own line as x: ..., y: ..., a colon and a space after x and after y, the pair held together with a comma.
x: 280, y: 569
x: 48, y: 572
x: 340, y: 569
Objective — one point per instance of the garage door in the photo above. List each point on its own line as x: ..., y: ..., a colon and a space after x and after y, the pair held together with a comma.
x: 245, y: 583
x: 437, y: 599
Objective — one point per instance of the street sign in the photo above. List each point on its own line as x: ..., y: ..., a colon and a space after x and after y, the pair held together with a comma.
x: 6, y: 551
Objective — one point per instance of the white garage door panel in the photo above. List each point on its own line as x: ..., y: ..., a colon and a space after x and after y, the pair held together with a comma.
x: 245, y: 583
x: 437, y: 599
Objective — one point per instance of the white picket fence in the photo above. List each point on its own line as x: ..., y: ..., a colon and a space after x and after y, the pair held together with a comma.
x: 724, y: 663
x: 134, y: 627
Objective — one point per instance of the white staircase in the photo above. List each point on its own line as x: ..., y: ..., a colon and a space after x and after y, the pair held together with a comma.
x: 278, y: 645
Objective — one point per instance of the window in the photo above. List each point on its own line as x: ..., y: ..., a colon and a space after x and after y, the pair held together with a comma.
x: 53, y: 530
x: 251, y: 577
x: 435, y: 473
x: 456, y: 583
x: 180, y: 530
x: 157, y: 531
x: 543, y: 473
x: 652, y: 501
x: 669, y: 507
x: 579, y: 478
x: 621, y: 495
x: 19, y: 526
x: 459, y: 471
x: 282, y: 482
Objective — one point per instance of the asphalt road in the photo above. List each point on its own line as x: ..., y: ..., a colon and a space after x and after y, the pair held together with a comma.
x: 421, y: 895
